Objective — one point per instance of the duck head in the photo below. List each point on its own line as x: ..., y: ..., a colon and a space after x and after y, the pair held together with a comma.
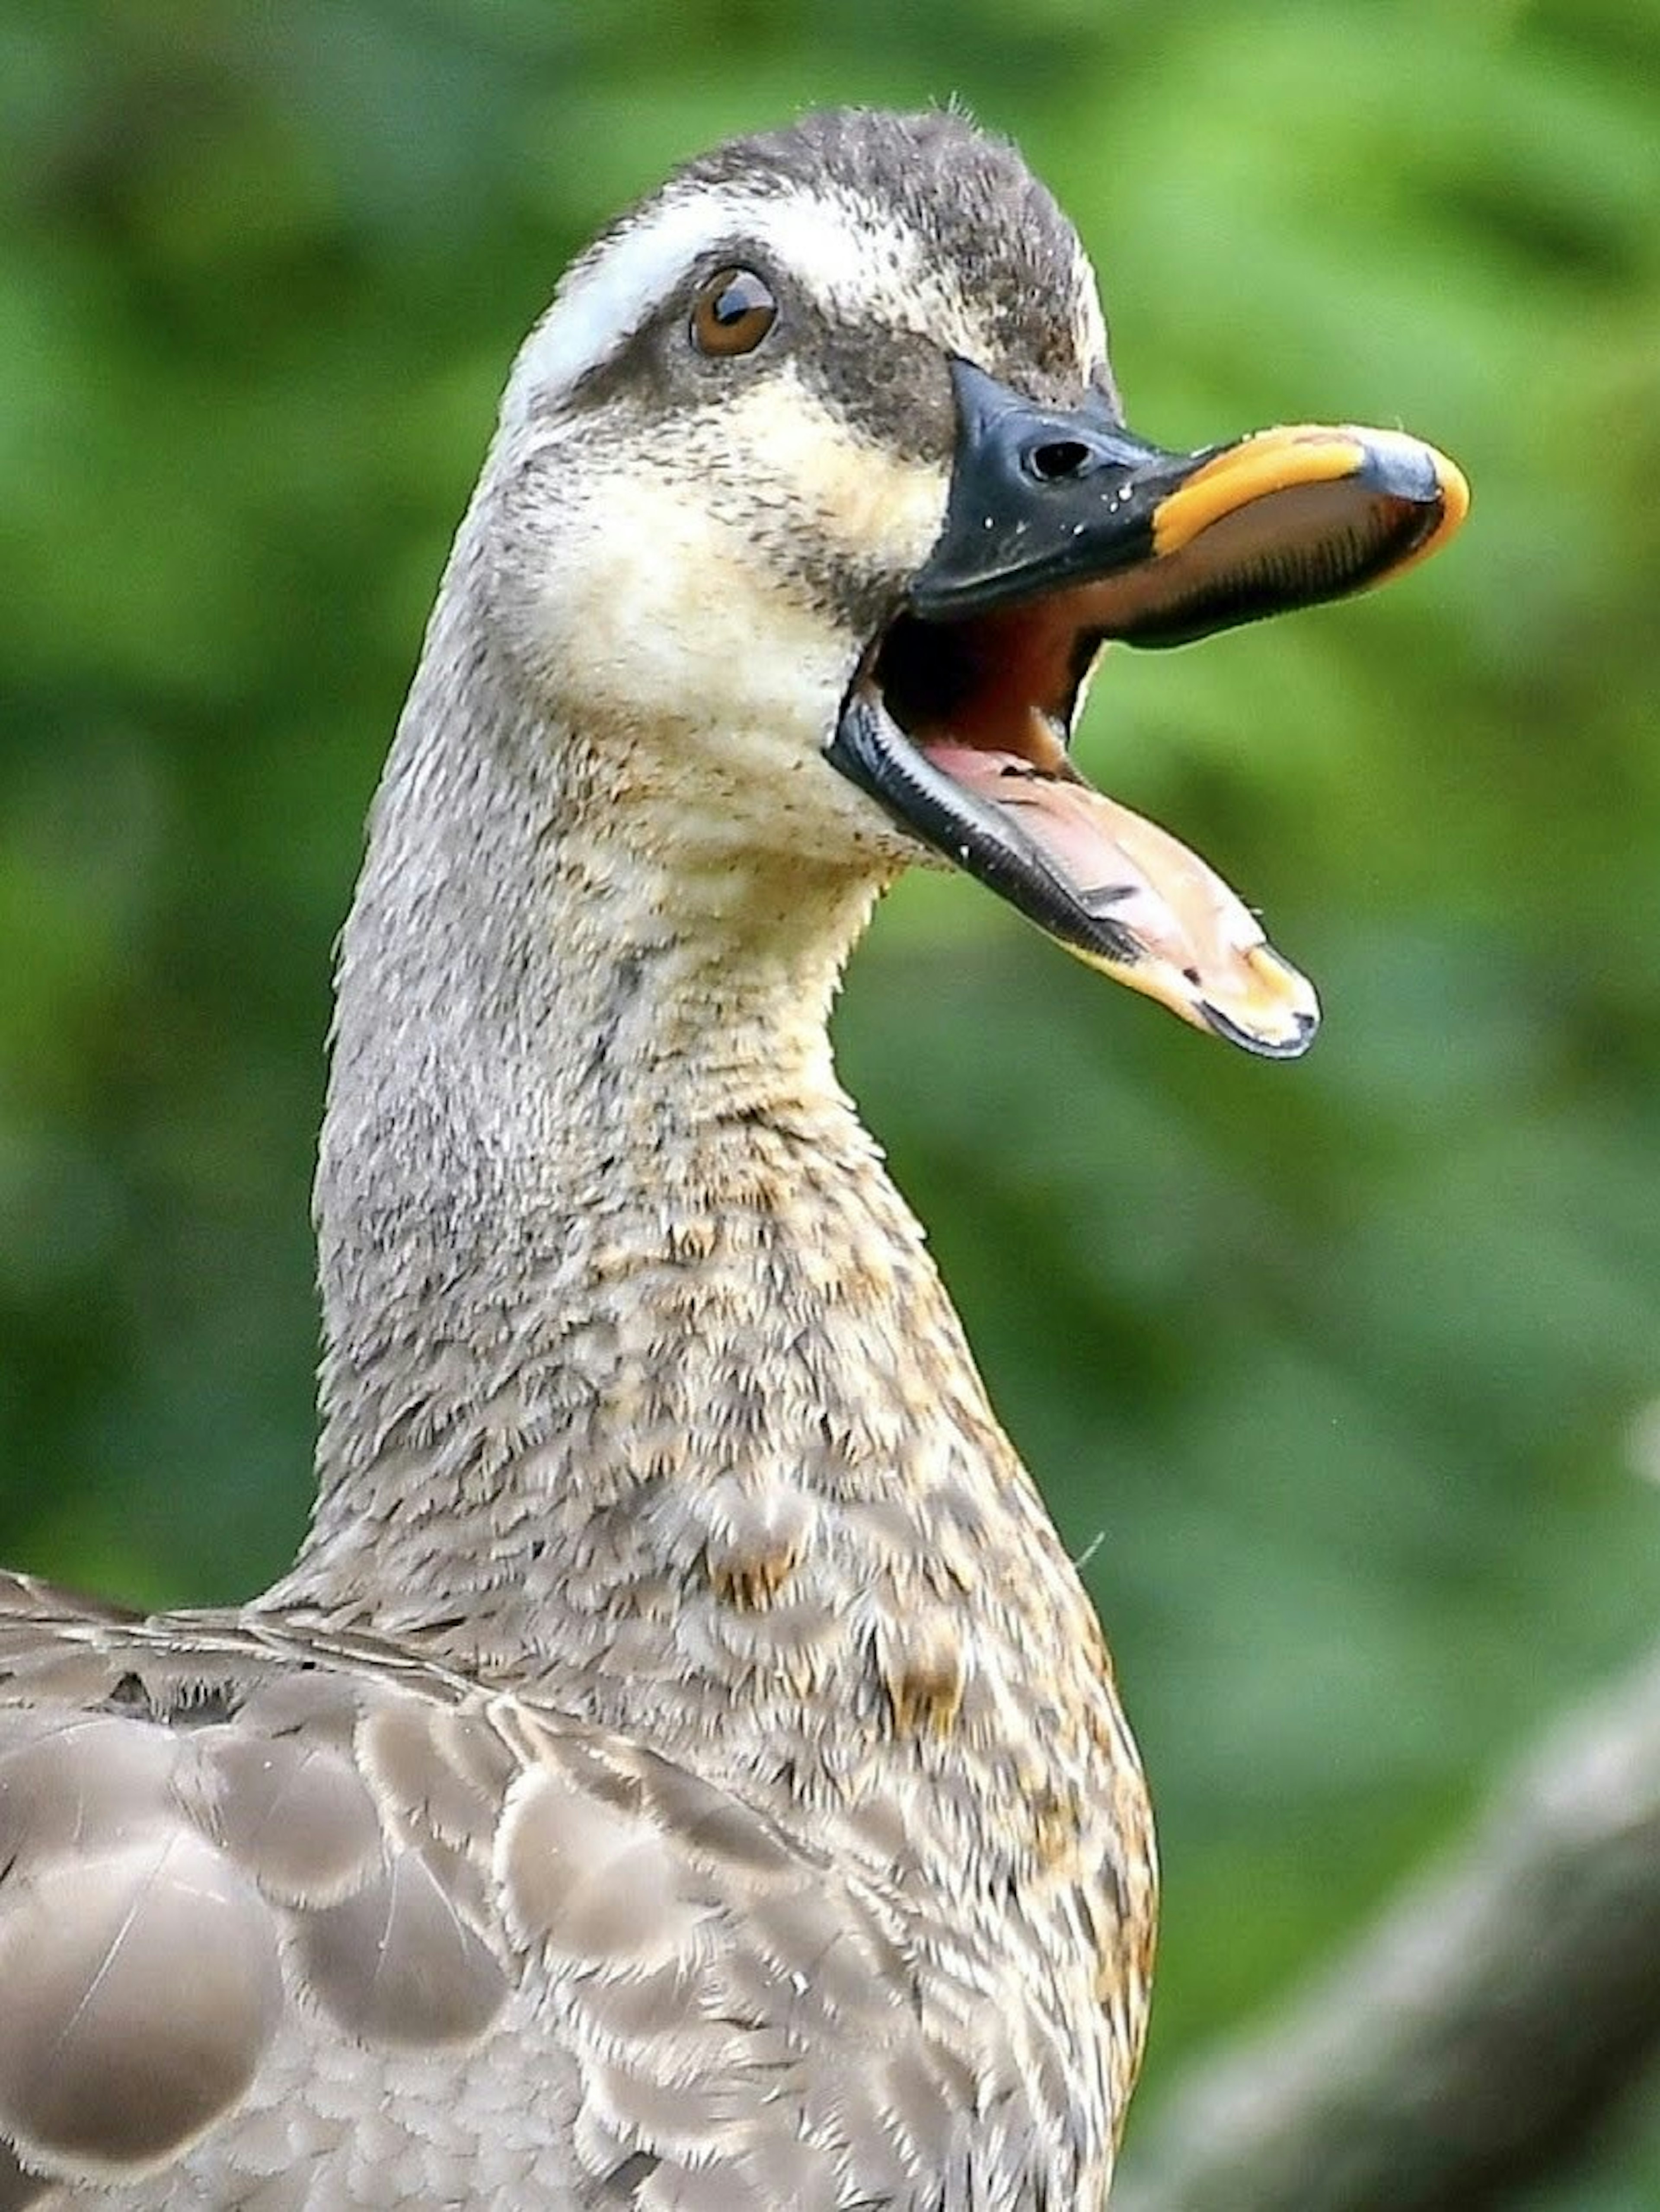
x: 813, y: 507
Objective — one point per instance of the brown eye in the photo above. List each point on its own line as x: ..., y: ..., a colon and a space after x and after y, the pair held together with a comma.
x: 732, y: 312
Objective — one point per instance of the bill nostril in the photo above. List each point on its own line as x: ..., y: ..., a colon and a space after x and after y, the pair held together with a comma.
x: 1056, y: 460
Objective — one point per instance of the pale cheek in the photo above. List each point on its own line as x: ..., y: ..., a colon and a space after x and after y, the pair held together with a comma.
x: 648, y: 615
x: 875, y: 509
x: 697, y: 678
x: 660, y: 621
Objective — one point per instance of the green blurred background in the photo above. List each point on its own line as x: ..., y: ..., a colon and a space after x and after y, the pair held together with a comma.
x: 1339, y: 1372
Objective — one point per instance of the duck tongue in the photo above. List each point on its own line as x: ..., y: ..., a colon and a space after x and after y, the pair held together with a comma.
x: 1186, y: 938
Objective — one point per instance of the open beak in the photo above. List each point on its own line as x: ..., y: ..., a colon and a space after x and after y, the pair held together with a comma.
x: 1062, y: 532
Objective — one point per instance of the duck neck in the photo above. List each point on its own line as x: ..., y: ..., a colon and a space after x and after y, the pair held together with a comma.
x: 639, y: 1387
x: 559, y: 1072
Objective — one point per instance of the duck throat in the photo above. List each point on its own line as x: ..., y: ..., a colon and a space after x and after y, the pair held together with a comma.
x: 640, y: 1390
x: 584, y: 1170
x: 566, y: 1046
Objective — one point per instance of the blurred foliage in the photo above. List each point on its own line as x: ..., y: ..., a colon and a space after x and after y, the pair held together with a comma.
x: 1335, y: 1370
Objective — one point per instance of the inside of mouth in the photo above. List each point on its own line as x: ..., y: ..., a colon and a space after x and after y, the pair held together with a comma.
x: 1004, y: 683
x: 988, y: 702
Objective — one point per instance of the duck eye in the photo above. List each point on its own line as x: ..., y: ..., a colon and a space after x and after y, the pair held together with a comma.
x: 732, y: 312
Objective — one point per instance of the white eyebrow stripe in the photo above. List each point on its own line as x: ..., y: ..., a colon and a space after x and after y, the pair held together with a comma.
x: 844, y: 252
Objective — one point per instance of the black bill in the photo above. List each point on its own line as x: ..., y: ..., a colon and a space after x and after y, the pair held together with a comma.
x: 1062, y: 532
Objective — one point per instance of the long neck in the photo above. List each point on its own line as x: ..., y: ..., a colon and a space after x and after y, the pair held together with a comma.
x: 638, y: 1380
x: 553, y: 1062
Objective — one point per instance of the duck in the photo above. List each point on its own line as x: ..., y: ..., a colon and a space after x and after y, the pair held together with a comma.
x: 683, y: 1767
